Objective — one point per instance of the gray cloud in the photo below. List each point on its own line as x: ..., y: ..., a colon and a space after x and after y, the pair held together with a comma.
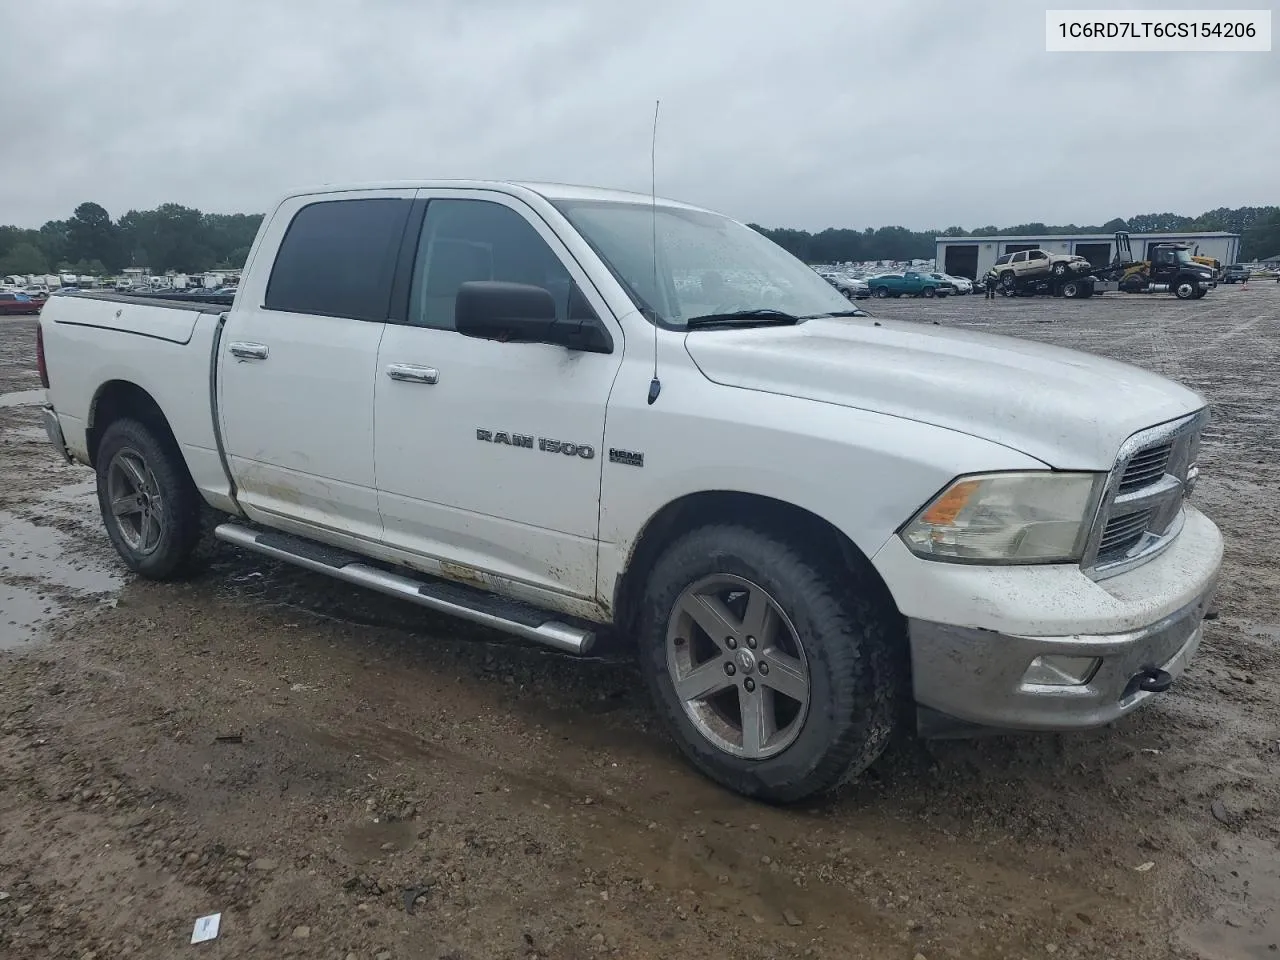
x: 807, y: 113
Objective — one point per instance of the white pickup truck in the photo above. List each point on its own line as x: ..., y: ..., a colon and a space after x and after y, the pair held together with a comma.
x: 556, y: 410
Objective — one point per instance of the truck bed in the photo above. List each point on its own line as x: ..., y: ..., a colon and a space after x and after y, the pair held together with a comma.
x: 163, y: 347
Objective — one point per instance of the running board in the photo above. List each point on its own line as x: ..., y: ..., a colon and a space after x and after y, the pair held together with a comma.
x: 468, y: 603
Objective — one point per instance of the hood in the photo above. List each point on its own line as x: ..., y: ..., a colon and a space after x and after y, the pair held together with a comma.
x: 1070, y: 410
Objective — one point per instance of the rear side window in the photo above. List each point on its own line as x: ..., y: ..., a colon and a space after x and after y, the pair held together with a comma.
x: 337, y: 259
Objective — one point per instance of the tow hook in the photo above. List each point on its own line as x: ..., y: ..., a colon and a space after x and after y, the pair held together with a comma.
x: 1154, y: 680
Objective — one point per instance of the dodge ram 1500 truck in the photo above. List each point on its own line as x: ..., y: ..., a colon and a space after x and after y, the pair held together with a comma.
x: 558, y: 410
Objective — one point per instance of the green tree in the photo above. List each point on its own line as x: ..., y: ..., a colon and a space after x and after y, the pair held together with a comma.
x: 170, y: 237
x: 1262, y: 239
x: 23, y: 258
x: 92, y: 236
x: 52, y: 240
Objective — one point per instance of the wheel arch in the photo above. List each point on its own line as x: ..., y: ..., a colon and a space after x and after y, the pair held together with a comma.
x: 767, y: 514
x: 117, y: 399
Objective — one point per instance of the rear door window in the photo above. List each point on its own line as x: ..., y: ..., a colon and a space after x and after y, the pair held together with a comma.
x: 337, y: 259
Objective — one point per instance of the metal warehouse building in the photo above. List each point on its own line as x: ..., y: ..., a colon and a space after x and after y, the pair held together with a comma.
x: 972, y: 257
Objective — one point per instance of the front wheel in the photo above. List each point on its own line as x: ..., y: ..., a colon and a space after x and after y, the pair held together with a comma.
x: 1185, y: 289
x: 929, y: 292
x: 151, y: 508
x: 775, y: 677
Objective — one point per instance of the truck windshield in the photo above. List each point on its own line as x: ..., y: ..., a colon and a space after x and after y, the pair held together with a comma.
x: 706, y: 264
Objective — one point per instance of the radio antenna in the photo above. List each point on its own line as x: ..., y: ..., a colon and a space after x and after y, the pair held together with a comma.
x: 655, y: 385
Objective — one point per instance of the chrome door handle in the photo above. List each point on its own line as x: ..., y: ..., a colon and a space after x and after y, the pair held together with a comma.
x: 412, y: 373
x: 248, y: 351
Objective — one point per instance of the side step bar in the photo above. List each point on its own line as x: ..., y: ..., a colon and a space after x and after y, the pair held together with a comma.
x: 468, y: 603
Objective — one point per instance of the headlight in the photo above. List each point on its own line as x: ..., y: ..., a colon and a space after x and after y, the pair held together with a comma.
x: 1008, y: 518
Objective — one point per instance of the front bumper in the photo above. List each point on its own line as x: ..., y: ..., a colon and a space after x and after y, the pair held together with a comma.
x: 975, y: 631
x: 979, y: 677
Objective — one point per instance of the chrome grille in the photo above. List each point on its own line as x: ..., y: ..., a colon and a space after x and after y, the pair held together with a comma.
x: 1141, y: 509
x: 1121, y: 534
x: 1146, y: 467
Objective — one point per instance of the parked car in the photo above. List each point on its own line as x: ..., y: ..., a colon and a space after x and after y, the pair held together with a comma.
x: 17, y: 303
x: 958, y: 284
x: 1026, y: 264
x: 911, y: 283
x: 1235, y: 273
x: 803, y: 519
x: 851, y: 287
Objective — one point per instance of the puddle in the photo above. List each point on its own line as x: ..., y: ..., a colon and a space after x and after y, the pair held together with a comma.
x: 22, y: 612
x: 22, y: 398
x: 369, y: 841
x: 1246, y: 923
x: 42, y: 553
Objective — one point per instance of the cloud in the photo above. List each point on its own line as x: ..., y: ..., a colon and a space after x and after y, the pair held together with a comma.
x: 808, y: 113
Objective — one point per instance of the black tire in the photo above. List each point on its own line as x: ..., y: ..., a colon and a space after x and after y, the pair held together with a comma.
x: 1072, y: 289
x: 929, y: 292
x: 1200, y: 294
x: 851, y: 639
x: 880, y: 292
x: 1184, y: 289
x: 183, y: 509
x: 1059, y: 269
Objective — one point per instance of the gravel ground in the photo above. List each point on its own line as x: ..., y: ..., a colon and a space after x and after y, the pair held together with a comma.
x: 296, y: 755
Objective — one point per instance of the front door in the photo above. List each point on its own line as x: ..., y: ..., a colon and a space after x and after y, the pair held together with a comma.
x: 489, y: 454
x: 299, y: 359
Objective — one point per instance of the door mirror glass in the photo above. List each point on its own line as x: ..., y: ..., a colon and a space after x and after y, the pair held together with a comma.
x: 524, y: 313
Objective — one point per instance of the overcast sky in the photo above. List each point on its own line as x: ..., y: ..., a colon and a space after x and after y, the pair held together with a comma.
x: 806, y: 113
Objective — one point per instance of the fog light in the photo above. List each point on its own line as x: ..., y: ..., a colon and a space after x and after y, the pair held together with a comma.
x: 1061, y: 671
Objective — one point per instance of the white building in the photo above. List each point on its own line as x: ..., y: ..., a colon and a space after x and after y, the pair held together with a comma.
x: 972, y: 257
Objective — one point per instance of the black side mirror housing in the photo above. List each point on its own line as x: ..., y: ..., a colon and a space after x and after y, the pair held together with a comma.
x: 523, y: 313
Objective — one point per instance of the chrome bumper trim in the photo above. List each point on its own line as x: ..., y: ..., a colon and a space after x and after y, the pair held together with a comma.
x: 976, y: 676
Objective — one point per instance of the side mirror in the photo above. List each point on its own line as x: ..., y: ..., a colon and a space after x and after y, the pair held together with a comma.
x: 522, y: 313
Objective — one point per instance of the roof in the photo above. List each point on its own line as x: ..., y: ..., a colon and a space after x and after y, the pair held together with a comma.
x: 1009, y: 238
x: 549, y: 191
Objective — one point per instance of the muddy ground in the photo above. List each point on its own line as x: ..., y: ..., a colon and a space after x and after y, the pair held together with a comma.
x: 295, y: 754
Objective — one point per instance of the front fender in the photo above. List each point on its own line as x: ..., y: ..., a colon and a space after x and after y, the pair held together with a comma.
x: 862, y: 472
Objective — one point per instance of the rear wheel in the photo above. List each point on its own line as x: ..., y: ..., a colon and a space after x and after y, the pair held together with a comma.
x: 151, y: 508
x: 775, y: 677
x: 881, y: 292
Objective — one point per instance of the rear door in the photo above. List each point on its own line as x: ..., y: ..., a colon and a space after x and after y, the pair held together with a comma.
x: 298, y: 359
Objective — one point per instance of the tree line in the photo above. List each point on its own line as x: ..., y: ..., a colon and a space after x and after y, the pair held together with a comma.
x: 174, y: 237
x: 170, y: 237
x: 1259, y: 229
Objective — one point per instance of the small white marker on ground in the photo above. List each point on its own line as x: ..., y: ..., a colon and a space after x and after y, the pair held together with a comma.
x: 206, y: 928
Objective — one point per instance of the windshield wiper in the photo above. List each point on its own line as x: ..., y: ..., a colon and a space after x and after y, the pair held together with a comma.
x: 742, y: 318
x: 836, y: 313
